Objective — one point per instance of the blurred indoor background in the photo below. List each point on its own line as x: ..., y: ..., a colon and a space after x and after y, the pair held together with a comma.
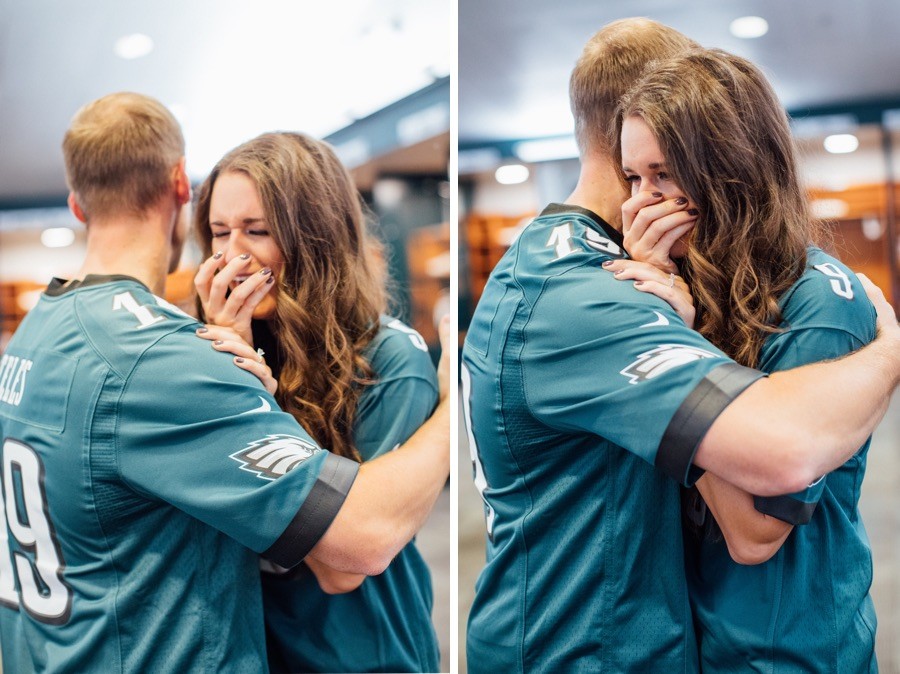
x: 835, y: 66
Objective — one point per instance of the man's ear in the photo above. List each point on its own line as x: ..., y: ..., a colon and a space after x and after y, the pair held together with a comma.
x: 75, y: 208
x: 182, y: 184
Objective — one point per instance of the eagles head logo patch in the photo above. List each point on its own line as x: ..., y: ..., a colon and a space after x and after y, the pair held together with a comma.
x: 273, y: 456
x: 663, y: 358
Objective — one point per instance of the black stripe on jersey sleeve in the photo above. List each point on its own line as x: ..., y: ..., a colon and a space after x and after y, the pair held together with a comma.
x: 316, y: 514
x: 694, y: 417
x: 785, y: 508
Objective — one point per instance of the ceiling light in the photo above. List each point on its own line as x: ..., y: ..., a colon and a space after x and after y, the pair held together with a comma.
x: 57, y: 237
x: 547, y: 149
x: 841, y: 143
x: 871, y: 227
x: 748, y: 27
x: 133, y: 46
x: 512, y: 174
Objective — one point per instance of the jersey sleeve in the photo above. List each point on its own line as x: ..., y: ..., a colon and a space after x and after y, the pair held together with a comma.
x: 783, y: 352
x: 202, y: 435
x: 400, y: 401
x: 603, y: 358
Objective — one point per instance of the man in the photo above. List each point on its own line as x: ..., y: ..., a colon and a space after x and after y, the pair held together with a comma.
x: 143, y: 472
x: 588, y: 402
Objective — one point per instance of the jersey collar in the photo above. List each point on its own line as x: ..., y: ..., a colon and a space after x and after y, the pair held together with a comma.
x: 608, y: 230
x: 60, y: 286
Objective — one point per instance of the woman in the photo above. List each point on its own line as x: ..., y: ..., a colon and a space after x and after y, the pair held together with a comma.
x: 296, y: 274
x: 787, y: 589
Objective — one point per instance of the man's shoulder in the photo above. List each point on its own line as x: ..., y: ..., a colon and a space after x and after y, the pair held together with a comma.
x: 564, y: 244
x: 563, y: 238
x: 122, y: 320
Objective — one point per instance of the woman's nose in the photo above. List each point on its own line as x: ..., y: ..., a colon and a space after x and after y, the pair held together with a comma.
x: 234, y: 246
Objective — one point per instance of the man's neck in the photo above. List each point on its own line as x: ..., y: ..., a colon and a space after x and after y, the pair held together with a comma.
x: 136, y: 247
x: 600, y: 189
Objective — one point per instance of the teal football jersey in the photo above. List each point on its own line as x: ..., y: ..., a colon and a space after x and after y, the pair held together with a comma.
x: 585, y: 402
x: 385, y: 624
x: 143, y: 474
x: 808, y: 608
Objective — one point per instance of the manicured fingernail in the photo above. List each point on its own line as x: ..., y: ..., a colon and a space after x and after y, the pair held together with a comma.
x: 638, y: 283
x: 218, y: 342
x: 246, y: 256
x: 658, y: 195
x: 607, y: 263
x: 238, y: 360
x: 693, y: 211
x: 271, y: 279
x: 217, y: 255
x: 200, y: 331
x: 265, y: 271
x: 681, y: 201
x: 617, y: 272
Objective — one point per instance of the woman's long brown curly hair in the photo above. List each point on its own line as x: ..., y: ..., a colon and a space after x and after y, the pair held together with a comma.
x: 332, y: 285
x: 728, y: 145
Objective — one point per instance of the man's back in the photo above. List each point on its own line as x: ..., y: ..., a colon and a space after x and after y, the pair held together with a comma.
x: 575, y: 386
x: 137, y: 479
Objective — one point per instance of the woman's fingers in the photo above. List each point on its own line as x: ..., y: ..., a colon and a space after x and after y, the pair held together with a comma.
x: 667, y: 286
x: 667, y: 240
x: 246, y: 358
x: 218, y: 287
x: 626, y: 270
x: 679, y: 299
x: 633, y: 206
x: 652, y: 241
x: 205, y: 274
x: 244, y: 299
x: 262, y: 372
x: 642, y: 218
x: 222, y: 333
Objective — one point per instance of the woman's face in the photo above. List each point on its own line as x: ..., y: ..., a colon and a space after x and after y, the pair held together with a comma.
x: 645, y: 168
x: 238, y: 225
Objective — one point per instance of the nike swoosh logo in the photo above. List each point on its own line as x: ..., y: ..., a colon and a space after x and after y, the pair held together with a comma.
x: 660, y: 320
x: 265, y: 407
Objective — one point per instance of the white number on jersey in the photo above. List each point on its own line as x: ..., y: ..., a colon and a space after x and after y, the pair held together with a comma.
x: 840, y: 282
x: 127, y: 302
x: 559, y: 239
x: 599, y: 242
x: 414, y: 336
x: 44, y: 593
x: 477, y: 470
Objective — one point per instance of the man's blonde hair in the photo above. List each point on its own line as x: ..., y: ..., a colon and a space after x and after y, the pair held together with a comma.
x: 120, y: 152
x: 611, y: 61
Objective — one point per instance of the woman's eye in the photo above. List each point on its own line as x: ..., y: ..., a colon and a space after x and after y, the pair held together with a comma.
x: 662, y: 176
x: 219, y: 235
x: 631, y: 179
x: 258, y: 232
